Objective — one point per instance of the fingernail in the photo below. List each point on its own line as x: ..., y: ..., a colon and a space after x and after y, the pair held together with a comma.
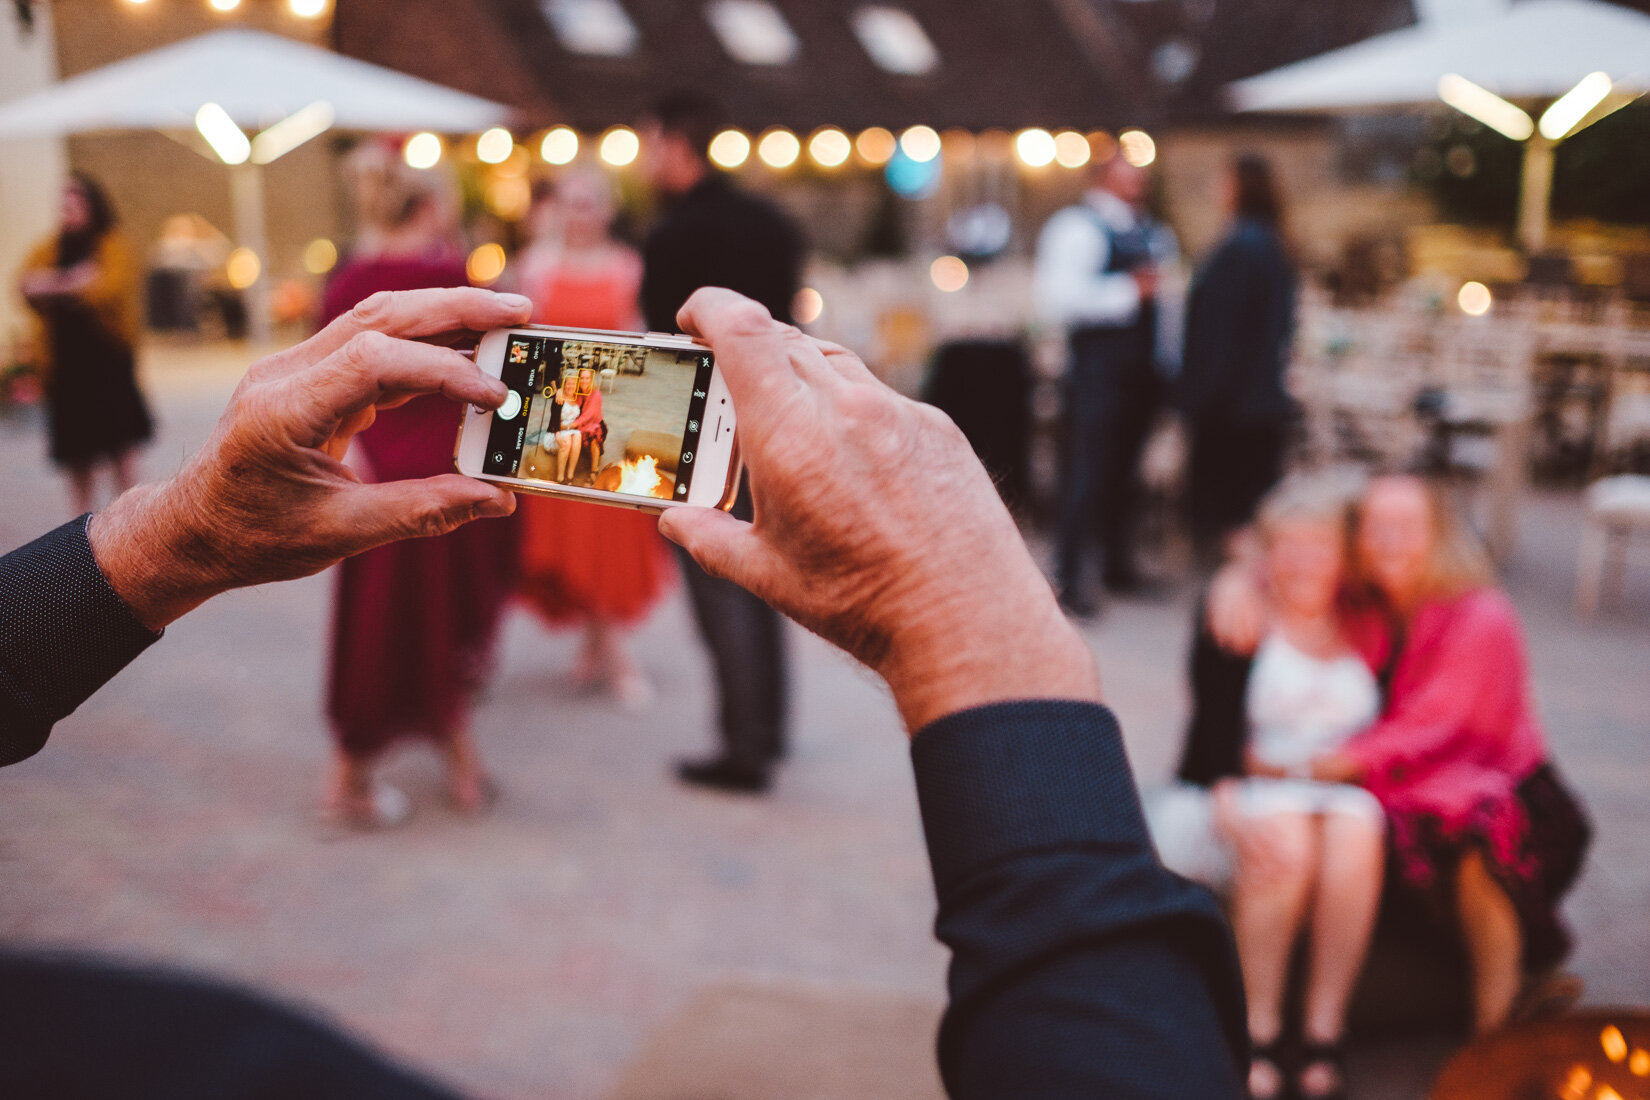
x: 499, y: 506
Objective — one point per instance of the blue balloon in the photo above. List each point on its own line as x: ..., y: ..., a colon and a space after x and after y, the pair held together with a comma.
x: 912, y: 179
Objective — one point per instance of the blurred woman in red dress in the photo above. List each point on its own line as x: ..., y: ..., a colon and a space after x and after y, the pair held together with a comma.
x: 601, y: 568
x: 414, y: 622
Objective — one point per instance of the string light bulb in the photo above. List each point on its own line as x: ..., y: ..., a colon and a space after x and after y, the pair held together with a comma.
x: 779, y: 148
x: 830, y: 147
x: 423, y: 150
x: 620, y: 146
x: 730, y: 149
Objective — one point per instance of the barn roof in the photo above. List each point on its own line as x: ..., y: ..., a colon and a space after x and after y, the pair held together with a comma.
x: 1000, y: 63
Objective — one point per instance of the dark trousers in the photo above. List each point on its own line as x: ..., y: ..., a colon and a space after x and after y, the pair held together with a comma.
x: 1113, y: 396
x: 1229, y: 468
x: 746, y: 639
x: 75, y: 1028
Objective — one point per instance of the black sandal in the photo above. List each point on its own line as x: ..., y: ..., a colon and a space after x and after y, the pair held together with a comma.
x: 1318, y: 1054
x: 1272, y: 1055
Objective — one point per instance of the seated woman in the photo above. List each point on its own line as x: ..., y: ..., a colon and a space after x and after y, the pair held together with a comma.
x: 581, y: 424
x: 1482, y: 830
x: 568, y: 437
x: 1308, y: 853
x: 1482, y: 834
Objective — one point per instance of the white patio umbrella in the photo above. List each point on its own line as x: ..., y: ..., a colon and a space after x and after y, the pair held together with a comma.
x: 1574, y: 61
x: 229, y: 82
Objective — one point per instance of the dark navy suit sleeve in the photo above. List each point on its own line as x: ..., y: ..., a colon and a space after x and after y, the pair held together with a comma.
x: 1081, y: 967
x: 64, y: 633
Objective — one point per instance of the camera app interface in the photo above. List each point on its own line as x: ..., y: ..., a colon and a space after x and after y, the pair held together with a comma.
x: 618, y: 417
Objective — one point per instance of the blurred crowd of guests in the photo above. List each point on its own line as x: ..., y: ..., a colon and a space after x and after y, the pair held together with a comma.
x: 415, y: 623
x: 1362, y: 725
x: 1219, y: 362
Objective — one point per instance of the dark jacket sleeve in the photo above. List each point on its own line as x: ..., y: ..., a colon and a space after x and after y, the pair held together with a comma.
x: 1217, y: 734
x: 1081, y: 967
x: 1239, y: 324
x: 63, y: 634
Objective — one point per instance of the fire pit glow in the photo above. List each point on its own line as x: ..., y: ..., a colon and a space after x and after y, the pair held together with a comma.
x: 640, y: 477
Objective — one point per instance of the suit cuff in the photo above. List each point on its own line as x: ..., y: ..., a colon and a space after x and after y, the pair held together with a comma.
x: 66, y: 632
x: 1009, y: 778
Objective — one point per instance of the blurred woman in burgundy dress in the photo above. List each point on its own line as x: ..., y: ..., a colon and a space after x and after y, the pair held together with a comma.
x: 414, y: 622
x: 600, y: 568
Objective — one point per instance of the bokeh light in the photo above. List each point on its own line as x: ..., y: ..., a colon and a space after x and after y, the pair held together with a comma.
x: 243, y: 268
x: 224, y: 5
x: 949, y: 273
x: 779, y: 148
x: 809, y: 304
x: 1613, y: 1041
x: 912, y: 179
x: 1474, y: 299
x: 307, y: 9
x: 829, y: 147
x: 509, y: 197
x: 876, y: 145
x: 920, y: 143
x: 423, y: 150
x: 559, y: 146
x: 495, y: 146
x: 1071, y: 149
x: 958, y: 143
x: 1137, y: 147
x: 320, y: 256
x: 730, y: 149
x: 619, y: 146
x: 485, y: 264
x: 1035, y: 147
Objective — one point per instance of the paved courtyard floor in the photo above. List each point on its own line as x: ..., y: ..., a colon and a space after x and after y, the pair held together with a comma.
x: 533, y: 952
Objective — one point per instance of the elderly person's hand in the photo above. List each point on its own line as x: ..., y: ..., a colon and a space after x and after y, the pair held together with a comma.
x: 269, y: 497
x: 876, y: 527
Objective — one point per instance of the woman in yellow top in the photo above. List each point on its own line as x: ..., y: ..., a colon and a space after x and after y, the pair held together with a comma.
x: 82, y: 282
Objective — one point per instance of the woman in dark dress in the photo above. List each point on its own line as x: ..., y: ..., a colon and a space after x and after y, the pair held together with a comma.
x: 82, y: 283
x: 1240, y: 318
x: 414, y: 622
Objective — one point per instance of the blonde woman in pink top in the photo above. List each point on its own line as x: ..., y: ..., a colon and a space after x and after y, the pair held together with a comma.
x: 1481, y: 828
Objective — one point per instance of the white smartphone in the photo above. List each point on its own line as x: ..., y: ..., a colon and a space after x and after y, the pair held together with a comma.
x: 633, y: 420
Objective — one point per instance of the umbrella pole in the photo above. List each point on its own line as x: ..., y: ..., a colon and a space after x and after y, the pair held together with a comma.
x: 247, y: 195
x: 1535, y: 193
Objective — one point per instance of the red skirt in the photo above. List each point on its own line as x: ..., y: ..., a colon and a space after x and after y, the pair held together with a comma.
x: 414, y: 622
x: 584, y: 561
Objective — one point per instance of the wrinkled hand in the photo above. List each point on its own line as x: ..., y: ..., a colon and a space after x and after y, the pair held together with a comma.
x: 875, y: 526
x: 269, y: 498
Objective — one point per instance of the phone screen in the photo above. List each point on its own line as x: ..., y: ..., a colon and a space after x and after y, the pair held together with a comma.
x: 618, y: 417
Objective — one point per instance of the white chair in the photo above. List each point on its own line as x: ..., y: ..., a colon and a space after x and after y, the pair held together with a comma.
x: 1616, y: 506
x: 610, y: 379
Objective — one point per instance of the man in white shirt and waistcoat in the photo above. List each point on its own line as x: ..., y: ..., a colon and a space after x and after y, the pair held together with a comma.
x: 1097, y: 276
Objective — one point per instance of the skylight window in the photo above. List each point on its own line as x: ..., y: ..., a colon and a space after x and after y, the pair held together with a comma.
x: 895, y: 41
x: 599, y: 28
x: 753, y: 31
